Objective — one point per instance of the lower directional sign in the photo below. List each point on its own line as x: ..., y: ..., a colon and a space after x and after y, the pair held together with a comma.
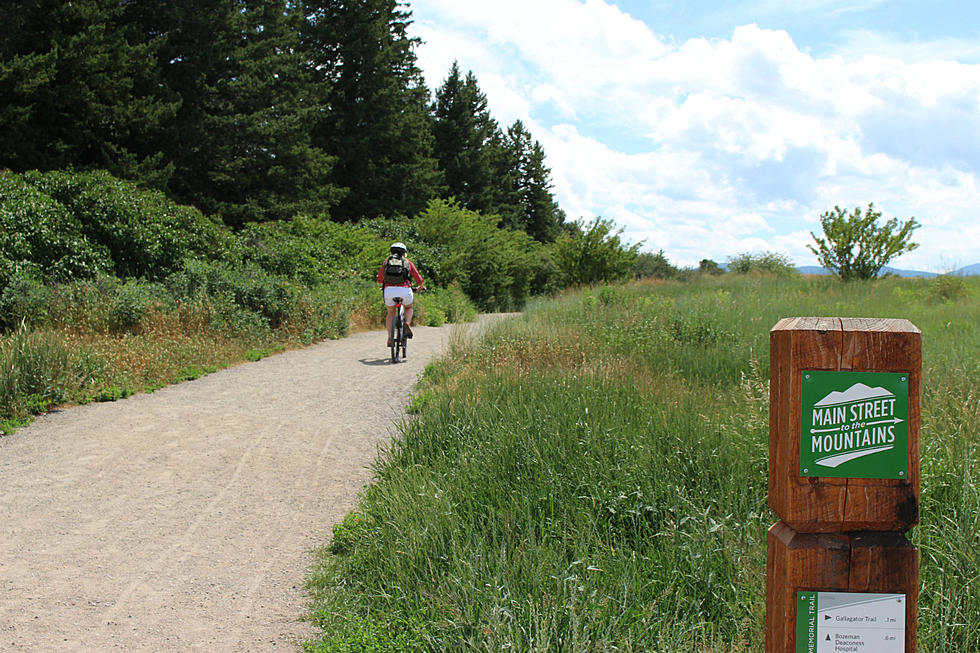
x: 845, y: 622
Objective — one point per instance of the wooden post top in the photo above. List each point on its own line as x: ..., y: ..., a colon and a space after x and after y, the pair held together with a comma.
x: 886, y: 324
x: 844, y: 423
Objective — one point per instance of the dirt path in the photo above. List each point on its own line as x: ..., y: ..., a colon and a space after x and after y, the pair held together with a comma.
x: 184, y: 520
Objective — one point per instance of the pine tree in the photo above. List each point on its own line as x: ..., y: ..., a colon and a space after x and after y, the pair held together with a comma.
x: 76, y: 89
x: 540, y: 214
x: 464, y: 132
x: 504, y: 193
x: 241, y: 139
x: 377, y: 122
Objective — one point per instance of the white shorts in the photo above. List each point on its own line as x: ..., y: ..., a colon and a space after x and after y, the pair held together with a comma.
x: 398, y: 291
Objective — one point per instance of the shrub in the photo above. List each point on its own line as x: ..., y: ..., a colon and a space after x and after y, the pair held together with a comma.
x: 766, y: 263
x: 25, y: 299
x: 653, y: 265
x: 947, y: 288
x: 41, y: 238
x: 247, y: 286
x: 133, y: 300
x: 856, y: 247
x: 83, y: 304
x: 312, y: 250
x: 493, y: 266
x: 455, y: 304
x: 326, y: 311
x: 593, y: 253
x: 707, y: 266
x: 145, y: 234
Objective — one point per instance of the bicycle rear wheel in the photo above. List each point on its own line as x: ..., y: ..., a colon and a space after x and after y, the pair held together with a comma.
x: 396, y: 335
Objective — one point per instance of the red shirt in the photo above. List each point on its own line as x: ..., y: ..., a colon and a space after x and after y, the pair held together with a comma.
x: 405, y: 284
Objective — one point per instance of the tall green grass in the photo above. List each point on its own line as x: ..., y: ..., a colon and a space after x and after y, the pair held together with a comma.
x: 592, y: 477
x: 104, y: 339
x: 37, y: 371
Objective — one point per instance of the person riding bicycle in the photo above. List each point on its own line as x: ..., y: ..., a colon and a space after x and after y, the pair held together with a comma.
x: 395, y: 277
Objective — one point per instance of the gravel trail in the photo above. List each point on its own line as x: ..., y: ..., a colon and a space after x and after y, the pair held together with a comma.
x: 185, y: 520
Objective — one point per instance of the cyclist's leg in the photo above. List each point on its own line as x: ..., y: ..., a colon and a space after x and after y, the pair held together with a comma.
x: 408, y: 321
x: 393, y: 339
x: 388, y: 321
x: 409, y: 311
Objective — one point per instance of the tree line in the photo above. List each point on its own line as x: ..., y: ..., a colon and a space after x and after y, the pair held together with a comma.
x: 256, y: 110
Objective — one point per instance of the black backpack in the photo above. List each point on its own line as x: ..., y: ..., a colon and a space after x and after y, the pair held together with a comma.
x: 396, y: 270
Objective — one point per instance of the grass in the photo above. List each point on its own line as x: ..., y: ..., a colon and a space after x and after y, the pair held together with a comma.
x: 592, y: 477
x: 101, y: 340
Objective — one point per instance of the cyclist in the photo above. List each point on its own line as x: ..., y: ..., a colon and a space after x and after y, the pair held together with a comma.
x: 395, y: 277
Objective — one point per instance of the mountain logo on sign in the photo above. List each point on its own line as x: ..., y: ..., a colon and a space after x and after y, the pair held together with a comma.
x: 855, y: 423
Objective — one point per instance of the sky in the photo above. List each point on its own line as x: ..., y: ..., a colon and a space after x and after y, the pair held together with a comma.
x: 710, y: 129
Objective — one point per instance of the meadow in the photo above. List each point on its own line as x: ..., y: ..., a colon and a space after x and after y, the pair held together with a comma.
x: 592, y: 476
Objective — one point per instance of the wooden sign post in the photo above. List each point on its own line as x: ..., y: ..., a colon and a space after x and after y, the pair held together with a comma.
x: 844, y: 479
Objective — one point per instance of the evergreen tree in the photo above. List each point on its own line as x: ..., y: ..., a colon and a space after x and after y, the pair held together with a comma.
x: 504, y: 193
x: 464, y: 131
x: 377, y: 123
x: 241, y: 140
x: 76, y: 89
x: 489, y: 171
x: 540, y: 214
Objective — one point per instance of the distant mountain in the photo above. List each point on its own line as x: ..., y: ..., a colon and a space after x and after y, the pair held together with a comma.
x: 812, y: 269
x: 969, y: 270
x: 908, y: 273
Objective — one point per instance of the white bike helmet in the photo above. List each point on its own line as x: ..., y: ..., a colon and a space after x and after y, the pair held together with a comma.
x: 398, y: 247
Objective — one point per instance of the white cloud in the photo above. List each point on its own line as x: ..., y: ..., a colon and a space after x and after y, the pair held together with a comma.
x: 710, y: 148
x: 855, y: 43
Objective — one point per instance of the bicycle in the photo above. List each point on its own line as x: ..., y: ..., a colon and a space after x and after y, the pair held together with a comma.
x: 397, y: 335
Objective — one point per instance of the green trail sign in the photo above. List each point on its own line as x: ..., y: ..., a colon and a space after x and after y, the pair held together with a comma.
x: 854, y: 424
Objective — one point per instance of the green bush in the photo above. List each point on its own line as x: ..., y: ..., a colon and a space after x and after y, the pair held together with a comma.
x: 947, y: 288
x: 855, y: 246
x: 707, y: 266
x: 328, y: 310
x: 132, y: 300
x: 145, y: 234
x: 247, y: 286
x: 452, y: 302
x: 656, y: 265
x: 312, y: 250
x: 493, y: 266
x: 40, y: 238
x: 25, y: 299
x: 593, y: 253
x: 766, y: 263
x: 83, y: 304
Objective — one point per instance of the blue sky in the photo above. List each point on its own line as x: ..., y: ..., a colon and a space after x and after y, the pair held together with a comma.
x: 711, y: 129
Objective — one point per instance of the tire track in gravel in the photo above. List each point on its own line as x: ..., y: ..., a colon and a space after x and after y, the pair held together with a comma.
x: 185, y: 520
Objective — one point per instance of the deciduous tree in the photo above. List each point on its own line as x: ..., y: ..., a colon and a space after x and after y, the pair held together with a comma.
x: 855, y: 246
